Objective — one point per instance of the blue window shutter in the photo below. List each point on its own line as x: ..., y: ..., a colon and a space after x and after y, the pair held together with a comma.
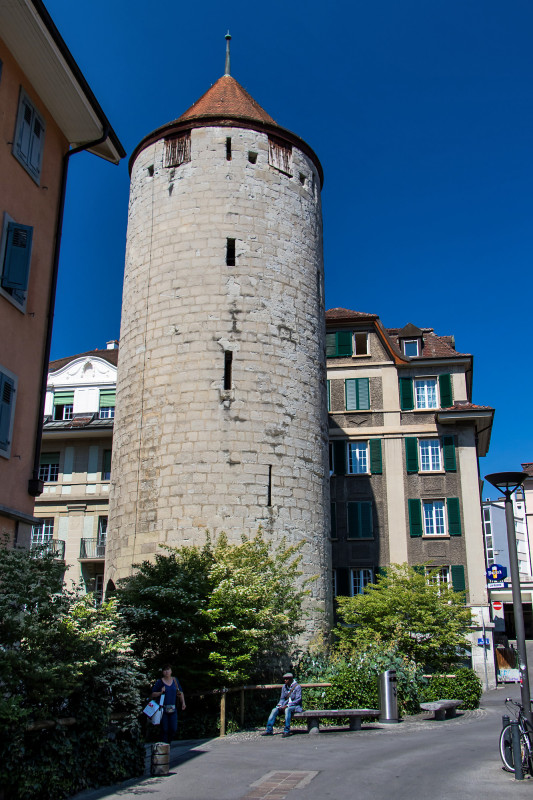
x: 415, y: 518
x: 339, y: 457
x: 37, y: 145
x: 407, y: 398
x: 445, y: 389
x: 7, y: 395
x: 376, y: 460
x: 350, y: 391
x: 448, y: 448
x: 363, y: 394
x: 23, y: 143
x: 454, y: 516
x: 458, y: 578
x: 17, y: 256
x: 411, y: 454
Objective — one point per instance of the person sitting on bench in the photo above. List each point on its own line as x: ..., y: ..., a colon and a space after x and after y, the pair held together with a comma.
x: 290, y: 702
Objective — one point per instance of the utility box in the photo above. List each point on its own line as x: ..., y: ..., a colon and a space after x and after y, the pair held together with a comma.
x: 388, y: 696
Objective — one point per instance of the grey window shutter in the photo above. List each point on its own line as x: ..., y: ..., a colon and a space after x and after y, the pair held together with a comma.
x: 363, y: 394
x: 7, y: 394
x: 407, y: 398
x: 415, y: 518
x: 37, y: 145
x: 17, y: 258
x: 448, y: 448
x: 411, y: 454
x: 23, y: 143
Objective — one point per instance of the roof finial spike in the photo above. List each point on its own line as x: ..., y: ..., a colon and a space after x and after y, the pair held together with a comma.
x: 227, y: 71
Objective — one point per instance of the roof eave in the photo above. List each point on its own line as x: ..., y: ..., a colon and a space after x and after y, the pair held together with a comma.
x: 481, y: 418
x: 36, y: 44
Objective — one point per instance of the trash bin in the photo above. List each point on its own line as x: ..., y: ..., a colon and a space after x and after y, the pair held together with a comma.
x: 160, y: 758
x: 388, y: 696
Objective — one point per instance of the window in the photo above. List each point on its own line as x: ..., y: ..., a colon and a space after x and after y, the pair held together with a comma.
x: 106, y: 465
x: 177, y: 150
x: 357, y: 394
x: 107, y: 403
x: 426, y: 393
x: 43, y: 532
x: 228, y: 148
x: 63, y: 405
x: 411, y: 347
x: 280, y: 155
x: 102, y: 530
x: 8, y: 389
x: 328, y: 389
x: 333, y: 519
x: 360, y: 522
x: 15, y: 257
x: 359, y: 578
x: 360, y: 341
x: 434, y: 521
x: 430, y: 455
x: 230, y: 252
x: 339, y: 344
x: 49, y: 468
x: 357, y: 458
x: 437, y: 576
x: 28, y: 144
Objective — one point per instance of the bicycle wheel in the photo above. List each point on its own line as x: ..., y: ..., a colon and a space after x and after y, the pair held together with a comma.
x: 506, y: 750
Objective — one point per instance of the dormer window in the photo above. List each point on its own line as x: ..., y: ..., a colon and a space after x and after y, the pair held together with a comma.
x: 411, y: 347
x: 177, y: 150
x: 280, y: 155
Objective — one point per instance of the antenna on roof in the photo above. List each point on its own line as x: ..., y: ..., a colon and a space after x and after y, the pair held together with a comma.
x: 227, y: 69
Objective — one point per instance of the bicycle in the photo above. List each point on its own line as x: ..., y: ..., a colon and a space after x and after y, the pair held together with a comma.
x: 526, y: 740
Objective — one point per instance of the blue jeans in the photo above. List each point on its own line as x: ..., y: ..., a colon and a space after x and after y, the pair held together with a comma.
x: 289, y: 711
x: 169, y: 726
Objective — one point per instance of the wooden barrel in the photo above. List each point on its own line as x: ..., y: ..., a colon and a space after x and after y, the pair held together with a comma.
x: 160, y: 758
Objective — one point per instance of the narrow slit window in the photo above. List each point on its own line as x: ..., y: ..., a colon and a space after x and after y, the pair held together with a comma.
x: 230, y: 252
x: 228, y: 148
x: 252, y: 157
x: 228, y: 362
x: 269, y: 497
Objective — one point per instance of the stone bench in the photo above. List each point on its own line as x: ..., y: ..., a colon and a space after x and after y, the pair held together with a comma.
x: 354, y: 715
x: 444, y: 709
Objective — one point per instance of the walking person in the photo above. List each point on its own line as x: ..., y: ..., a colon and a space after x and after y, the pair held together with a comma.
x: 170, y: 687
x: 290, y: 702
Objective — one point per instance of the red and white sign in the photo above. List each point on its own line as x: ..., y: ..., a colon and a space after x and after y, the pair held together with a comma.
x: 497, y: 606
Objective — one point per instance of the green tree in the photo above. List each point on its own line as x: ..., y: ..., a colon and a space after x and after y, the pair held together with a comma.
x: 220, y: 613
x: 61, y: 656
x: 426, y: 622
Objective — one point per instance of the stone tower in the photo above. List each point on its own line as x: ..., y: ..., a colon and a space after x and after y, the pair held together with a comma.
x: 221, y: 413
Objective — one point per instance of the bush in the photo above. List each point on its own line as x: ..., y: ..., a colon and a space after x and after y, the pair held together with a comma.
x: 465, y: 686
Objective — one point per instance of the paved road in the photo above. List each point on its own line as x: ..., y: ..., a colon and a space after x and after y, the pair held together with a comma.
x: 418, y: 758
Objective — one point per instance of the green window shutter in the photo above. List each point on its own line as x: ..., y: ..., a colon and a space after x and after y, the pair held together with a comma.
x: 419, y: 568
x: 380, y: 572
x: 445, y: 389
x: 411, y: 454
x: 354, y: 525
x: 333, y: 507
x: 360, y: 523
x: 49, y: 458
x: 407, y: 398
x: 17, y: 257
x: 7, y: 397
x: 107, y: 398
x: 344, y: 343
x: 454, y: 516
x: 458, y: 578
x: 363, y: 394
x: 376, y: 461
x: 367, y: 526
x: 63, y: 398
x: 343, y: 582
x: 448, y: 448
x: 415, y: 518
x: 331, y: 345
x: 350, y: 394
x: 328, y: 389
x: 339, y: 457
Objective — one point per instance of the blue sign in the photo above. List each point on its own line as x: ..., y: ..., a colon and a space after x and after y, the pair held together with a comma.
x: 483, y: 642
x: 496, y: 573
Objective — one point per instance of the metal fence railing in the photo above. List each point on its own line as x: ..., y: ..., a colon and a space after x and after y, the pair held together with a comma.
x: 51, y: 547
x: 92, y: 548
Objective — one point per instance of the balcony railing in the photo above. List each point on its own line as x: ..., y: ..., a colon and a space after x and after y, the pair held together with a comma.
x: 52, y: 547
x: 92, y: 548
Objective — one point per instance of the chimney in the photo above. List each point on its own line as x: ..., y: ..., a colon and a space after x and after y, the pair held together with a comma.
x: 112, y: 345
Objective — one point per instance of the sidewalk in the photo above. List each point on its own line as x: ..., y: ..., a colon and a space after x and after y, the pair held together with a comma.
x: 414, y: 759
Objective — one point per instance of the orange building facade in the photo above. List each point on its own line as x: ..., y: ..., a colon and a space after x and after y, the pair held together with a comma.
x: 47, y: 113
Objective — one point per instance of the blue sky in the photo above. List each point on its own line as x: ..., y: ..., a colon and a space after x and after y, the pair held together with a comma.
x: 421, y: 113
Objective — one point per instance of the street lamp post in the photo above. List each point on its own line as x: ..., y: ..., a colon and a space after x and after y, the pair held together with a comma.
x: 507, y: 483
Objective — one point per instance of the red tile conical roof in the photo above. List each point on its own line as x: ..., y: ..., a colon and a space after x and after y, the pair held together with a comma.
x: 227, y: 98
